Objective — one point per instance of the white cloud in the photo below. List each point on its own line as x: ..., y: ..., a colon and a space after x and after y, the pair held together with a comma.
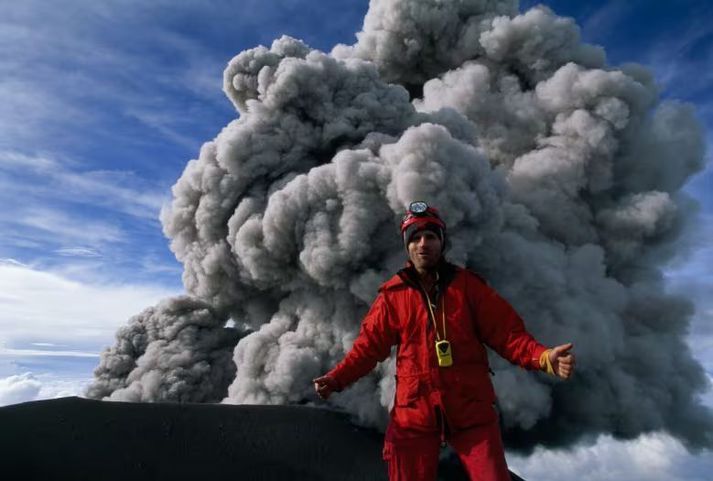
x: 16, y: 160
x: 78, y: 252
x: 58, y: 207
x: 33, y: 387
x: 680, y: 72
x: 62, y: 227
x: 165, y: 123
x: 44, y: 307
x: 649, y: 458
x: 27, y: 108
x: 44, y: 352
x: 17, y: 389
x: 600, y: 23
x: 44, y: 177
x: 89, y: 51
x: 6, y: 261
x: 54, y: 388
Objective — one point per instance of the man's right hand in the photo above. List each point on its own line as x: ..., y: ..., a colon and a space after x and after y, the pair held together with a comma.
x: 325, y: 386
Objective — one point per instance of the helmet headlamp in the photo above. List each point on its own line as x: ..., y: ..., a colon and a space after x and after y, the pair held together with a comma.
x: 420, y: 215
x: 418, y: 208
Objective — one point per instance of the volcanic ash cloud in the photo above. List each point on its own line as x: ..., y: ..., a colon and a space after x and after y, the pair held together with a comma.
x: 178, y: 350
x: 559, y: 177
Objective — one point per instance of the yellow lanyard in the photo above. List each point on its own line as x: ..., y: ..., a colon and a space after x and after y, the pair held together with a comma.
x: 433, y: 315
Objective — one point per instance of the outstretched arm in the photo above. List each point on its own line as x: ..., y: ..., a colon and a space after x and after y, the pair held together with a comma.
x: 502, y: 329
x: 373, y: 345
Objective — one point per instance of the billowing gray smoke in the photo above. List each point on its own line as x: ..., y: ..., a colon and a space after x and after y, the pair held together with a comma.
x: 559, y: 177
x: 176, y: 351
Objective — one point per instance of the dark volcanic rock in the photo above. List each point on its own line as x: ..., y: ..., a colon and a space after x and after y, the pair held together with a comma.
x: 78, y: 439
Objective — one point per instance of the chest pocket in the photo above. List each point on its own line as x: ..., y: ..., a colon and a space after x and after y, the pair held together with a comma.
x: 463, y: 327
x: 460, y: 319
x: 413, y: 321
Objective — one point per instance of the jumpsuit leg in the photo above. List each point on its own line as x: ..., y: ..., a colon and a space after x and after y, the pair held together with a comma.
x: 411, y: 456
x: 481, y: 451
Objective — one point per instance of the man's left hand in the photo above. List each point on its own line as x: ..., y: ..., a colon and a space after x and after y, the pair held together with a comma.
x: 562, y: 360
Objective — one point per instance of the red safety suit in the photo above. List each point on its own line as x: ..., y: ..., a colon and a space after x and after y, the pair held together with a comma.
x: 435, y: 404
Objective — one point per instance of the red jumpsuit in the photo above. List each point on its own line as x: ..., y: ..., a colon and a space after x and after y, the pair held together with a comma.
x: 435, y: 404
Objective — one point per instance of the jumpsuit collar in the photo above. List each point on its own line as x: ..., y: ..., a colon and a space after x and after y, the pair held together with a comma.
x: 446, y: 272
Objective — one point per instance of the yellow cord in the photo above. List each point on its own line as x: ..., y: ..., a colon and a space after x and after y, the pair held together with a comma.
x: 433, y: 315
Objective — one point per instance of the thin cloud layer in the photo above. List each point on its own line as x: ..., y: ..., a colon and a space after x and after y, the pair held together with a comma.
x: 559, y: 177
x: 37, y: 306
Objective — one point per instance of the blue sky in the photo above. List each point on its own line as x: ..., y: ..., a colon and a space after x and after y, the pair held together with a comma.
x: 103, y: 103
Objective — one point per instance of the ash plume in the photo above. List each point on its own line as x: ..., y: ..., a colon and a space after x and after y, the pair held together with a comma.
x: 179, y: 350
x: 559, y: 178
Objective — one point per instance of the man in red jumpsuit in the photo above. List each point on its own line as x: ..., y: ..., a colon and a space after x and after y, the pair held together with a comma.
x: 441, y: 316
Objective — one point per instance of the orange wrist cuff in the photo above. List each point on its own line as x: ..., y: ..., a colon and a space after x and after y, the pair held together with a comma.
x: 545, y: 363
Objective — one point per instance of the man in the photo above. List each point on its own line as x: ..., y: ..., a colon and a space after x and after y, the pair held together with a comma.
x: 440, y: 316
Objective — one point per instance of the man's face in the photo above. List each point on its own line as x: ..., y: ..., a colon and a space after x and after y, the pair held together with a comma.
x: 424, y: 249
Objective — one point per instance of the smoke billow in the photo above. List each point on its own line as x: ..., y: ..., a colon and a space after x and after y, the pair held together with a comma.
x: 176, y: 351
x: 559, y: 177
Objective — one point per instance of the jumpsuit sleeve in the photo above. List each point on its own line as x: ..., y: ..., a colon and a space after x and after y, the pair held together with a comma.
x: 376, y: 336
x: 501, y: 328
